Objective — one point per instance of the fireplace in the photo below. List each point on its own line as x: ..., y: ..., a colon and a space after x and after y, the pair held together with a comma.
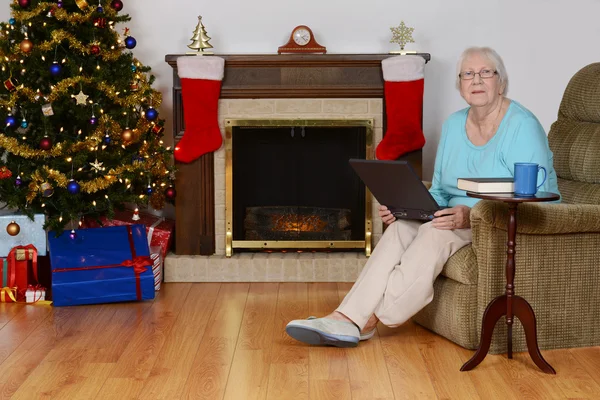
x: 289, y: 184
x: 333, y: 87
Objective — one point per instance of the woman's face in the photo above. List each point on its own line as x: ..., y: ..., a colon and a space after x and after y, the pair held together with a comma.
x: 479, y: 91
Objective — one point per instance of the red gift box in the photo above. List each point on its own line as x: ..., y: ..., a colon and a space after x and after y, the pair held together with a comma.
x: 160, y: 230
x: 20, y: 270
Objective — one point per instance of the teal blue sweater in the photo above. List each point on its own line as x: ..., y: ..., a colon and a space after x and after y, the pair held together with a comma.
x: 519, y: 138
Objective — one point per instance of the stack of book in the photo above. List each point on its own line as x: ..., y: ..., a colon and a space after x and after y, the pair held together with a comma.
x: 487, y: 185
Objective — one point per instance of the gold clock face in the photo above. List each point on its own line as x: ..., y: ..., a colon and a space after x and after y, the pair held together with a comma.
x: 301, y: 36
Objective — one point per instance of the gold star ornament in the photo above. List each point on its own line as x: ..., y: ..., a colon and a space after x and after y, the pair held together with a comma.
x: 81, y: 98
x: 402, y: 35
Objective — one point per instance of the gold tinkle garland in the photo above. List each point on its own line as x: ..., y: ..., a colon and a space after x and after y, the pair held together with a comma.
x: 59, y: 13
x: 93, y: 186
x: 13, y: 146
x: 59, y: 35
x: 63, y: 87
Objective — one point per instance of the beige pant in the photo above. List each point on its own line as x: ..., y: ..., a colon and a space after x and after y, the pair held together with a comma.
x: 397, y: 280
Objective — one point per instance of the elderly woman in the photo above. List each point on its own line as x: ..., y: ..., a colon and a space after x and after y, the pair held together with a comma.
x: 482, y: 140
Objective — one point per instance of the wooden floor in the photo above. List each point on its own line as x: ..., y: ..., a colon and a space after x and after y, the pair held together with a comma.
x: 227, y: 341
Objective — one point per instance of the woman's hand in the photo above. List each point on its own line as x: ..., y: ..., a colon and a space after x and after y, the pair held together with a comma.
x: 386, y: 215
x: 457, y: 217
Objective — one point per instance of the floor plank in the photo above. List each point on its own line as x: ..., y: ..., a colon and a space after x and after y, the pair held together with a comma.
x: 288, y: 372
x: 406, y: 366
x: 249, y: 376
x: 171, y: 370
x: 139, y: 356
x: 212, y: 362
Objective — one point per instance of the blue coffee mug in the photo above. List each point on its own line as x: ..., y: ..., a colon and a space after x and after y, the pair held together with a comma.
x: 526, y: 177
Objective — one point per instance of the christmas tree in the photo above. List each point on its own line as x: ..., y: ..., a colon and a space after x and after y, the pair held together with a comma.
x: 81, y: 134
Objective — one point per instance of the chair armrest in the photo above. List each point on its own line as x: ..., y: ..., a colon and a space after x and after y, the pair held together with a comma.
x: 539, y: 218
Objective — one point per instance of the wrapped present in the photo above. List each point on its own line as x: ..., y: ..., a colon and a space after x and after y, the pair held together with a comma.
x: 33, y: 294
x: 8, y: 295
x: 22, y: 268
x: 30, y: 232
x: 101, y: 265
x: 157, y: 265
x: 159, y: 230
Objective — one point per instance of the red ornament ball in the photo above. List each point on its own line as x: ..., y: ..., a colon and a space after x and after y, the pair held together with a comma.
x: 95, y: 49
x: 24, y: 3
x: 46, y: 143
x: 170, y: 193
x: 117, y: 4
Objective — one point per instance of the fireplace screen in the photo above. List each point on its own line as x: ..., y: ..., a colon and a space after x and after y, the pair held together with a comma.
x: 289, y: 184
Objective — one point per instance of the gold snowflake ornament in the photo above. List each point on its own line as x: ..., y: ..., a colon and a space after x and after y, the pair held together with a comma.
x: 402, y: 35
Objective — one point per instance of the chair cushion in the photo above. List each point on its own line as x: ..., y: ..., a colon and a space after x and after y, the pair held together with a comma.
x: 462, y: 266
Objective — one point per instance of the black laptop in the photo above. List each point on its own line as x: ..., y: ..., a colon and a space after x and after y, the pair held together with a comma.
x: 396, y: 185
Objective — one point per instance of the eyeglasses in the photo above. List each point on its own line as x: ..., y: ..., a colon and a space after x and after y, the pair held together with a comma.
x: 483, y: 74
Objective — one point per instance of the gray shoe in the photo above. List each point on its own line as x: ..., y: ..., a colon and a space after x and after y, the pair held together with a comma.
x: 324, y: 331
x: 363, y: 336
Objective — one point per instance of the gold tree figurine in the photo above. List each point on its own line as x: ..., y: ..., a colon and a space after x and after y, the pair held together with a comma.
x: 402, y: 35
x: 200, y: 39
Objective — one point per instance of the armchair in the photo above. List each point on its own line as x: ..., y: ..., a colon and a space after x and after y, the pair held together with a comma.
x: 558, y: 245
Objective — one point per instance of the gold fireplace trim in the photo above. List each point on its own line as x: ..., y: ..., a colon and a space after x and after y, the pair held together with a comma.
x: 231, y: 244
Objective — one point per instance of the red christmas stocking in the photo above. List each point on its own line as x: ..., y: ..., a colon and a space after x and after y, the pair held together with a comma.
x: 200, y: 89
x: 403, y: 76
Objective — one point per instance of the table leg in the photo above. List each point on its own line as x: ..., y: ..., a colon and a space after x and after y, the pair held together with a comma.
x: 524, y: 312
x: 493, y: 312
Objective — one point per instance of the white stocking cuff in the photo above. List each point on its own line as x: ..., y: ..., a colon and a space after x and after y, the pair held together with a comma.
x: 403, y: 68
x: 201, y: 67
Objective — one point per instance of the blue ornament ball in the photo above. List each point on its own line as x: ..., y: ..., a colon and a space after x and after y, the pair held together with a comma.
x: 24, y: 124
x: 73, y: 234
x: 10, y: 121
x: 106, y: 139
x: 130, y: 42
x: 73, y: 187
x: 12, y: 21
x: 93, y: 121
x: 151, y: 114
x: 55, y: 69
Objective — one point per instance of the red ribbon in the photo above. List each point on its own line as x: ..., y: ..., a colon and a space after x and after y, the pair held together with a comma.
x: 138, y: 263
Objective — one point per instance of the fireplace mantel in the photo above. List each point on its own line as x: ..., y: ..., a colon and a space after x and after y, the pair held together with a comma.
x: 264, y: 76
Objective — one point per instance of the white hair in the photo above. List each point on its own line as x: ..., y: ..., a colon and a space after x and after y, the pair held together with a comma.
x: 491, y: 55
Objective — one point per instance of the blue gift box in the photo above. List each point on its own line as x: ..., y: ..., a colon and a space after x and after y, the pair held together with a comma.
x: 101, y: 265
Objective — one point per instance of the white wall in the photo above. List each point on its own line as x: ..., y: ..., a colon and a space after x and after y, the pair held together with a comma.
x: 543, y: 42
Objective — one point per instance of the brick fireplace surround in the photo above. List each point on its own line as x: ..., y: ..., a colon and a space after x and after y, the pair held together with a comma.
x: 270, y: 87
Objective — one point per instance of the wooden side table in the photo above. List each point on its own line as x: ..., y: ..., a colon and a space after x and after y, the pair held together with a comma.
x: 508, y: 304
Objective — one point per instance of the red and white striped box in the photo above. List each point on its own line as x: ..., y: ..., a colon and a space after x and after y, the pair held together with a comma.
x: 157, y: 265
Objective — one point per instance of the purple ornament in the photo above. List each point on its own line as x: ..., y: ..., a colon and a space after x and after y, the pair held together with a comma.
x: 93, y: 121
x: 73, y: 234
x: 18, y: 181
